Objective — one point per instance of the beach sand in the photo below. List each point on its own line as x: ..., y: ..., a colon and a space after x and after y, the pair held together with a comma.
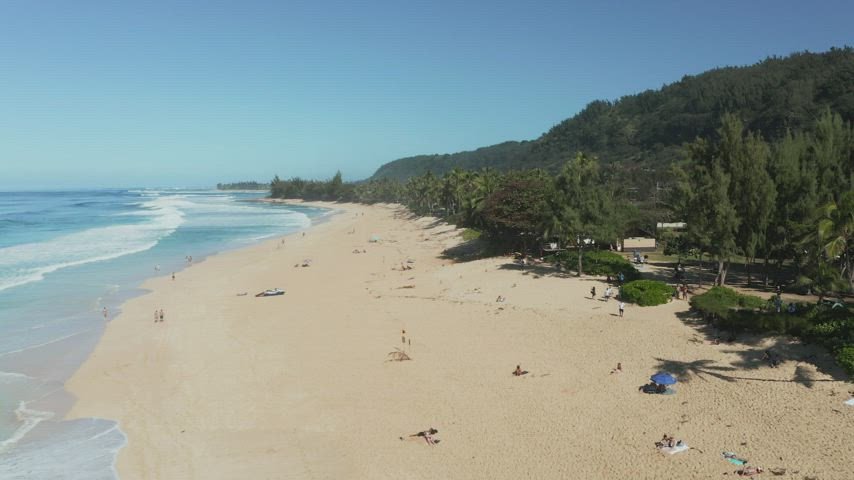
x: 298, y: 386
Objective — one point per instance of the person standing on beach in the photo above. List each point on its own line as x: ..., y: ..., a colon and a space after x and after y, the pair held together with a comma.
x: 173, y: 276
x: 593, y: 292
x: 622, y: 308
x: 156, y: 315
x: 403, y: 337
x: 163, y: 315
x: 106, y: 313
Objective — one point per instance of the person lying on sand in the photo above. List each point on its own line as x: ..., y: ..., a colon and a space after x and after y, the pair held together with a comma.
x: 748, y: 471
x: 519, y: 372
x: 427, y: 435
x: 653, y: 388
x: 666, y: 441
x: 618, y: 369
x: 500, y: 299
x: 772, y: 359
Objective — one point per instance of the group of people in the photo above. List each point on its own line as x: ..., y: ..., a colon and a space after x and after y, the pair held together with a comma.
x: 159, y: 315
x: 621, y: 307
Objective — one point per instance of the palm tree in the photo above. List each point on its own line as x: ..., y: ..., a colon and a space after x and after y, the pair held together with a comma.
x: 835, y: 234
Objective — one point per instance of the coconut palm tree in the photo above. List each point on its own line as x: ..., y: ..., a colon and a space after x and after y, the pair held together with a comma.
x: 835, y: 234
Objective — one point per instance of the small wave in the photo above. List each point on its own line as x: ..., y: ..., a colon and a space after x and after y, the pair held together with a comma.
x: 14, y: 376
x: 80, y: 449
x: 51, y: 341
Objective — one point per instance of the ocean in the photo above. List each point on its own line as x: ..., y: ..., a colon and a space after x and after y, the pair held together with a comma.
x: 64, y: 258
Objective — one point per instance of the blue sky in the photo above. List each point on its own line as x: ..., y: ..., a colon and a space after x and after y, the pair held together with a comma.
x: 144, y: 93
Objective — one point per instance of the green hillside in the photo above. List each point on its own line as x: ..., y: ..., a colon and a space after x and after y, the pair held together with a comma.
x: 643, y: 134
x: 504, y: 156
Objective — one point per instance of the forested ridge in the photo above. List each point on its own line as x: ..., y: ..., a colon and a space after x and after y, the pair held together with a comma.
x: 247, y: 185
x: 641, y: 135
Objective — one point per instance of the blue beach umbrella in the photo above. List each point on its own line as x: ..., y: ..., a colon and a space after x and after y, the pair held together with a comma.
x: 663, y: 378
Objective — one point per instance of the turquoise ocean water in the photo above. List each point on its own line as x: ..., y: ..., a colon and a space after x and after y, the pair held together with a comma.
x: 64, y: 257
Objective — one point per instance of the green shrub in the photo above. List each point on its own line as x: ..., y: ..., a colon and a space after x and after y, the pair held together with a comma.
x: 598, y: 262
x: 721, y: 302
x: 646, y: 293
x: 752, y: 321
x: 845, y: 358
x: 832, y: 330
x: 470, y: 234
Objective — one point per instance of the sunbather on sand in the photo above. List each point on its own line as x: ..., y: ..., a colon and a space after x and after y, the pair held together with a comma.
x: 772, y: 359
x: 618, y: 369
x: 519, y: 372
x: 427, y: 435
x: 749, y: 471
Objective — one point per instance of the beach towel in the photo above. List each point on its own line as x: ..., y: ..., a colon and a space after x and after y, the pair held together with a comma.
x: 733, y: 459
x: 849, y: 402
x: 674, y: 450
x: 669, y: 391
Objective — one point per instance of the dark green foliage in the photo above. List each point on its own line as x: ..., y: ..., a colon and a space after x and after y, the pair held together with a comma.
x: 767, y: 321
x: 470, y: 234
x: 600, y: 263
x: 721, y: 302
x: 515, y: 211
x: 647, y: 293
x: 504, y: 156
x: 845, y: 359
x: 243, y: 186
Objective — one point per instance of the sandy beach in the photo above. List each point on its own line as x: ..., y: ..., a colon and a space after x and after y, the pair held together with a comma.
x: 299, y: 386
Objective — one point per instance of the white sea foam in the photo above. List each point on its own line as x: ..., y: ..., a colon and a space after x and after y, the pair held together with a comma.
x: 82, y: 449
x: 29, y: 419
x: 30, y: 262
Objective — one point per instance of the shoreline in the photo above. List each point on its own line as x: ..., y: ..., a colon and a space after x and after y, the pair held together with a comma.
x: 299, y: 386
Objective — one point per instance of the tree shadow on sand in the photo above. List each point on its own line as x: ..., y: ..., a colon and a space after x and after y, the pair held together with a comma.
x: 540, y: 269
x: 687, y: 371
x: 468, y: 251
x: 753, y: 350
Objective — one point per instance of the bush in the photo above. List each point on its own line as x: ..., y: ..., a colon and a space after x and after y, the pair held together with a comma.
x: 721, y: 302
x: 752, y: 321
x: 599, y: 262
x: 845, y: 358
x: 470, y: 234
x: 647, y: 293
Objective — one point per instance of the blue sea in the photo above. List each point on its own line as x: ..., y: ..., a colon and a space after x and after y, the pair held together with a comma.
x: 64, y: 257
